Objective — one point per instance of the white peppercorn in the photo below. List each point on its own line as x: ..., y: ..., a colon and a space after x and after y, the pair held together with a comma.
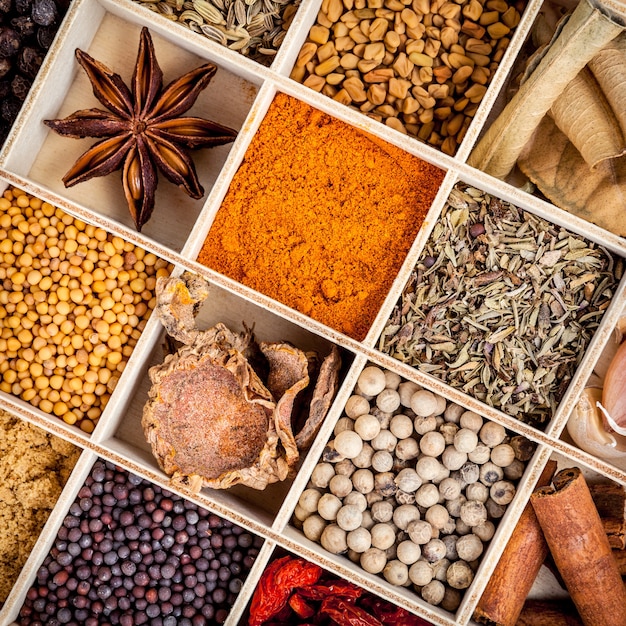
x: 490, y: 473
x: 301, y: 514
x: 427, y: 495
x: 371, y: 380
x: 364, y: 458
x: 385, y: 440
x: 448, y: 430
x: 357, y: 499
x: 502, y: 455
x: 502, y: 492
x: 434, y: 550
x: 333, y: 539
x: 349, y: 517
x: 451, y: 599
x: 404, y: 515
x: 321, y: 475
x: 308, y: 500
x: 407, y: 449
x: 340, y: 485
x: 484, y: 531
x: 437, y: 516
x: 470, y: 420
x: 442, y: 403
x: 477, y: 491
x: 348, y: 444
x: 330, y: 454
x: 452, y: 458
x: 359, y: 540
x: 372, y: 497
x: 461, y: 528
x: 450, y: 543
x: 465, y: 440
x: 383, y: 536
x: 406, y: 390
x: 382, y: 461
x: 480, y: 454
x: 494, y: 510
x: 424, y: 403
x: 491, y: 434
x: 401, y: 426
x: 382, y: 511
x: 343, y: 423
x: 373, y: 560
x: 391, y: 552
x: 460, y: 575
x: 473, y: 513
x: 354, y: 556
x: 396, y: 573
x: 440, y: 568
x: 388, y: 400
x: 383, y: 417
x: 363, y: 481
x: 433, y: 592
x: 454, y: 506
x: 420, y: 531
x: 449, y: 488
x: 515, y: 470
x: 432, y: 443
x: 453, y: 412
x: 392, y: 380
x: 442, y: 474
x: 449, y: 528
x: 469, y: 547
x: 384, y: 484
x: 408, y: 480
x: 367, y: 521
x: 420, y: 573
x: 367, y: 426
x: 470, y: 472
x: 423, y: 425
x: 328, y: 506
x: 313, y: 527
x: 402, y: 497
x: 524, y: 449
x: 356, y: 406
x: 345, y: 468
x: 408, y: 552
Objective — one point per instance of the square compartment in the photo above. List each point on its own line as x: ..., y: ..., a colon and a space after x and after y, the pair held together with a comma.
x: 492, y: 284
x: 111, y: 35
x: 124, y: 436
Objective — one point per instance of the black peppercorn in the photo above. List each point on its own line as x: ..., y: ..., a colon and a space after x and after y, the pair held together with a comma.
x: 44, y: 12
x: 9, y: 41
x: 477, y: 229
x: 24, y: 25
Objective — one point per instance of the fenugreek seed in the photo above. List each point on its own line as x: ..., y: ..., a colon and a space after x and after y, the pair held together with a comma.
x: 473, y: 10
x: 334, y: 78
x: 421, y: 7
x: 319, y: 34
x: 328, y: 66
x: 421, y: 59
x: 450, y: 11
x: 367, y: 66
x: 416, y: 46
x: 489, y: 17
x: 350, y: 19
x: 307, y: 52
x: 355, y: 89
x: 478, y: 46
x: 344, y: 44
x: 481, y: 75
x: 378, y: 76
x: 410, y: 18
x: 340, y: 30
x: 364, y: 14
x: 425, y: 74
x: 314, y: 82
x: 326, y: 51
x: 343, y: 97
x: 454, y: 124
x: 481, y: 60
x: 399, y: 88
x: 409, y: 105
x: 349, y: 61
x: 462, y: 74
x: 431, y: 47
x: 358, y: 36
x: 442, y: 73
x: 457, y: 60
x: 415, y: 32
x: 475, y: 93
x: 439, y: 92
x: 402, y: 65
x: 497, y: 5
x: 378, y: 29
x: 396, y: 124
x: 386, y: 110
x: 448, y: 37
x: 334, y: 10
x: 511, y: 17
x: 376, y: 94
x: 298, y: 73
x: 472, y: 29
x: 498, y: 30
x: 374, y: 51
x: 392, y: 40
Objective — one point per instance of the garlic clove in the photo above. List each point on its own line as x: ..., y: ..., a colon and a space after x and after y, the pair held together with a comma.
x: 614, y: 392
x: 586, y: 427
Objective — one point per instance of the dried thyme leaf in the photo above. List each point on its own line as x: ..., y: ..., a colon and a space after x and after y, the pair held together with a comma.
x: 502, y: 304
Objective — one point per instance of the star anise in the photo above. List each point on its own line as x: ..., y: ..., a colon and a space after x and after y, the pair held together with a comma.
x: 143, y: 129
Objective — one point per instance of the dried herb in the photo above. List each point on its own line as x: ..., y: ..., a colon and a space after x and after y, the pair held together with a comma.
x: 502, y: 304
x: 142, y: 129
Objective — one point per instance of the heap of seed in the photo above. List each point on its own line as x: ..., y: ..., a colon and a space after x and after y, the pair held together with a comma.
x: 420, y: 66
x: 73, y: 302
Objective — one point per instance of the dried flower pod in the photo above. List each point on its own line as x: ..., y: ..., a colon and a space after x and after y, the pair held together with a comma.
x: 433, y: 592
x: 373, y: 560
x: 396, y: 573
x: 420, y: 573
x: 460, y: 575
x: 333, y: 539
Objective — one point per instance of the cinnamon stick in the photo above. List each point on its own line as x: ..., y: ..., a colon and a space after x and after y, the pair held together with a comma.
x: 507, y: 589
x: 610, y: 500
x: 580, y: 548
x: 542, y: 613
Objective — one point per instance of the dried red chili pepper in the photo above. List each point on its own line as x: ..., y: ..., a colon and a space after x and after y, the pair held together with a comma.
x: 391, y: 615
x: 300, y: 606
x: 279, y: 579
x: 346, y: 614
x: 341, y: 588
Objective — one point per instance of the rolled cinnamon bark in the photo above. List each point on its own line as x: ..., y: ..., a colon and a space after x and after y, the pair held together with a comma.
x: 541, y: 613
x: 580, y: 548
x: 507, y: 589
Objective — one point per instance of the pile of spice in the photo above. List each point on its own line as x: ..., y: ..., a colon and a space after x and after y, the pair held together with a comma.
x: 292, y: 591
x: 27, y: 29
x: 254, y: 28
x: 320, y: 216
x: 502, y: 304
x: 412, y: 487
x: 420, y: 67
x: 132, y: 553
x: 34, y: 467
x: 73, y: 302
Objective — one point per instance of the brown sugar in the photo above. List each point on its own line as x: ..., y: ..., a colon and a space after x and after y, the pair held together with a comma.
x: 320, y: 216
x: 34, y: 467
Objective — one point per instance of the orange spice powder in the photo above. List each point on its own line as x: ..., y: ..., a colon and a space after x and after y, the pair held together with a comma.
x: 320, y: 216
